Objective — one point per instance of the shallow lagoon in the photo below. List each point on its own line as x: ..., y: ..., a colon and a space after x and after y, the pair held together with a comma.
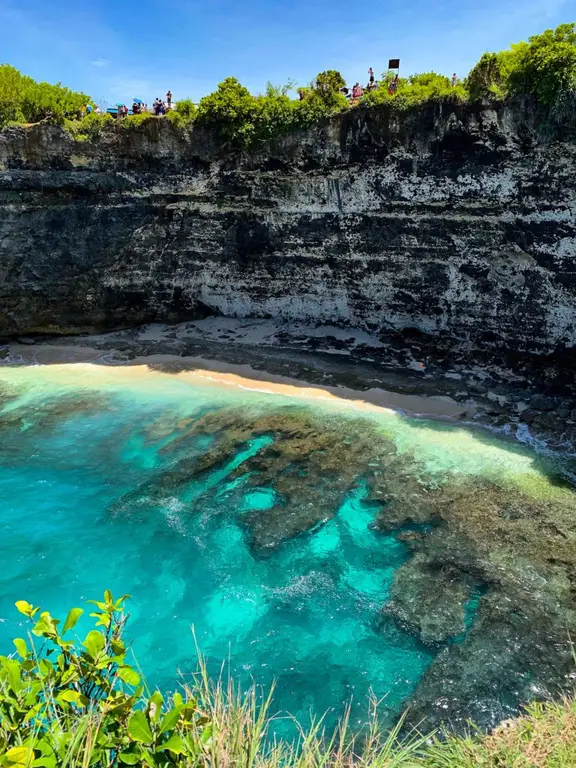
x: 225, y: 508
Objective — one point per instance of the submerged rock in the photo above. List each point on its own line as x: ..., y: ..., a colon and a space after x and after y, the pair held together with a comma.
x: 491, y: 570
x: 521, y: 552
x: 310, y: 462
x: 50, y: 411
x: 429, y: 599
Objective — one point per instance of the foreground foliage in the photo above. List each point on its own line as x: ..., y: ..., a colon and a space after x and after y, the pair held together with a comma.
x: 66, y: 702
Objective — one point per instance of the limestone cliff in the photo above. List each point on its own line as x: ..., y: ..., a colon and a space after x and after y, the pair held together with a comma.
x: 457, y: 221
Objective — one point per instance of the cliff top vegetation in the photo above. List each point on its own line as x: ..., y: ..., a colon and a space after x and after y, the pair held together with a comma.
x: 71, y: 702
x: 543, y: 69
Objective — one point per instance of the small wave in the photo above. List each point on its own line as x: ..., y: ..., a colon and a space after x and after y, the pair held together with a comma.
x: 11, y: 359
x: 303, y: 586
x: 171, y: 509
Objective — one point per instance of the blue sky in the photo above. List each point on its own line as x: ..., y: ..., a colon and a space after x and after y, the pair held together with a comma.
x: 115, y: 50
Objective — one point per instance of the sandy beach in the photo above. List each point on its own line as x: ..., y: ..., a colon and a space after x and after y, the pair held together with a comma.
x: 204, y: 371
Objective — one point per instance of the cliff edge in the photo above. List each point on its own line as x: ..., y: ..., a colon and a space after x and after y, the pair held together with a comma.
x: 456, y: 222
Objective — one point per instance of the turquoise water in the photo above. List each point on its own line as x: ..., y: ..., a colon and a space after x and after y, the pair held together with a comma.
x: 78, y: 516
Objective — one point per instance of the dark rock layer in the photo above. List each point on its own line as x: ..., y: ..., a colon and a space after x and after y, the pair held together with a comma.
x: 454, y: 222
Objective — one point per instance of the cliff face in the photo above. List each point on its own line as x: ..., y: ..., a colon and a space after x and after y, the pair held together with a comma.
x: 455, y: 221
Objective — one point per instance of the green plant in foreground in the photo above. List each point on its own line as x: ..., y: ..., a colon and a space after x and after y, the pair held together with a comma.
x: 84, y: 700
x: 71, y: 702
x: 79, y: 703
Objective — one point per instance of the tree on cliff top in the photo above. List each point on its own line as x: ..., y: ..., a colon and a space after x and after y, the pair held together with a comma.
x: 544, y: 67
x: 229, y: 111
x: 23, y: 100
x: 240, y: 119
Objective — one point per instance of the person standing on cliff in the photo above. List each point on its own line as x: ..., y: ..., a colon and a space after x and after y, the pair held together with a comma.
x: 169, y: 99
x: 356, y: 93
x: 454, y: 80
x: 370, y: 76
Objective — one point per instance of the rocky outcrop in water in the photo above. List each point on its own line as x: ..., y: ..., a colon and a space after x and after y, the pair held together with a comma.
x: 488, y: 587
x: 452, y: 222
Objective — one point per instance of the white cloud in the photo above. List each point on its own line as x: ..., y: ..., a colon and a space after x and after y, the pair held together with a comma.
x: 100, y: 63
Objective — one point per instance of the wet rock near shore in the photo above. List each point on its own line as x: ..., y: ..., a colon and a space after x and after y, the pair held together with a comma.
x: 493, y: 580
x: 489, y: 582
x: 310, y: 463
x: 500, y: 391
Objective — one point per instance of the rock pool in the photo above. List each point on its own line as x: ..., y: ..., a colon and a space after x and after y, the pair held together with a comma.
x: 336, y: 549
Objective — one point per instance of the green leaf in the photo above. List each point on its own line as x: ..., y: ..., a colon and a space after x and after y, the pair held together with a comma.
x: 108, y: 597
x: 14, y: 677
x: 118, y: 603
x: 43, y: 746
x: 94, y: 643
x: 32, y: 712
x: 139, y: 729
x: 157, y: 698
x: 206, y: 735
x: 46, y: 626
x: 24, y: 608
x: 73, y: 616
x: 129, y: 676
x: 155, y: 706
x: 174, y: 744
x: 21, y: 646
x: 100, y: 605
x: 103, y: 619
x: 129, y: 758
x: 73, y: 697
x: 69, y: 675
x: 45, y: 668
x: 170, y: 719
x: 19, y: 757
x: 118, y: 646
x: 44, y: 762
x: 189, y: 711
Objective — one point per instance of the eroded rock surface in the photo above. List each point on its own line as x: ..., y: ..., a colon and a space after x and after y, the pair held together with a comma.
x: 455, y: 222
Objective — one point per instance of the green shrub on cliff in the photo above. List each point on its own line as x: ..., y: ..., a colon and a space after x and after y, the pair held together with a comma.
x: 241, y: 119
x: 414, y: 90
x: 134, y: 121
x: 23, y: 100
x: 184, y: 113
x: 544, y: 67
x: 90, y: 127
